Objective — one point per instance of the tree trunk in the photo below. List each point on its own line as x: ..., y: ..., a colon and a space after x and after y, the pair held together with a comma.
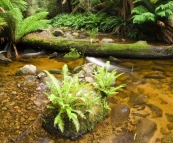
x: 165, y: 33
x: 16, y: 52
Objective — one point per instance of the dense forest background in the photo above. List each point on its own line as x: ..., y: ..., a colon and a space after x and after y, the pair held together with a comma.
x: 150, y: 20
x: 137, y: 19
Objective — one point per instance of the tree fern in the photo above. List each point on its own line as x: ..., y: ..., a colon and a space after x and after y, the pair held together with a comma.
x: 139, y: 10
x: 144, y: 17
x: 164, y: 10
x: 38, y: 21
x: 17, y: 27
x: 21, y: 4
x: 151, y: 10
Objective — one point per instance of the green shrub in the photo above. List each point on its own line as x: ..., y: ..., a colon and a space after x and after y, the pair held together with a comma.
x: 89, y: 21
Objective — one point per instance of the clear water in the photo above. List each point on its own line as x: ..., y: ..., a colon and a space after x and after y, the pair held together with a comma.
x: 18, y: 111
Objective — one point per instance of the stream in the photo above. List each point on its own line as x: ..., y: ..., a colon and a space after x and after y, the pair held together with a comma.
x: 20, y: 96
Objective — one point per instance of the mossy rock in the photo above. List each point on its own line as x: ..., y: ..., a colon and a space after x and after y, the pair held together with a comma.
x: 96, y: 114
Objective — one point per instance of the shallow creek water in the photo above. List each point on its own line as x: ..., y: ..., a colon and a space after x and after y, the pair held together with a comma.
x: 19, y: 110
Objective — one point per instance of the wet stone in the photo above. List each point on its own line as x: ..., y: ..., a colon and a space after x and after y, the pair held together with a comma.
x: 156, y: 111
x: 119, y: 113
x: 170, y: 126
x: 144, y: 130
x: 169, y: 117
x: 155, y: 76
x: 137, y: 99
x: 141, y: 113
x: 124, y: 138
x: 164, y: 131
x: 167, y: 138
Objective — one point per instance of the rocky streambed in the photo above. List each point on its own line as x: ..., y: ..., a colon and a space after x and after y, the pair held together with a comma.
x: 141, y: 112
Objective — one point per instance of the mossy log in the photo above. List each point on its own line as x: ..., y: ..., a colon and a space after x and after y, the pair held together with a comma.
x: 140, y: 49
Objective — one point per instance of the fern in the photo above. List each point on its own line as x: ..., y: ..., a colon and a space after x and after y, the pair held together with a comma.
x: 144, y: 18
x: 38, y: 22
x: 139, y: 10
x: 69, y: 99
x: 22, y: 5
x: 164, y: 10
x: 17, y: 27
x: 151, y: 11
x: 104, y: 80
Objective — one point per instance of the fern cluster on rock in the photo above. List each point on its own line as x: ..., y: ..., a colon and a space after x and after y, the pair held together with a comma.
x: 77, y: 106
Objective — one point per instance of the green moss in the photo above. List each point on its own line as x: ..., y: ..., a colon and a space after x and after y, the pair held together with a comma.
x: 74, y: 54
x: 139, y: 49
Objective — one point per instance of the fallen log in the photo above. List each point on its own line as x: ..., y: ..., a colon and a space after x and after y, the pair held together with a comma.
x: 140, y: 49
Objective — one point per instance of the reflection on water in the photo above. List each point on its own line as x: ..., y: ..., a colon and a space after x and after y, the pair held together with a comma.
x: 19, y: 108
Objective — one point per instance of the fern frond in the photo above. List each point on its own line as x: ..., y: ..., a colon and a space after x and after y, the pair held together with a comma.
x: 164, y: 10
x: 139, y: 10
x: 58, y: 121
x: 80, y: 113
x: 75, y: 122
x: 149, y: 5
x: 136, y: 1
x: 21, y: 4
x: 33, y: 23
x: 164, y: 13
x: 56, y: 84
x: 170, y: 17
x: 143, y: 18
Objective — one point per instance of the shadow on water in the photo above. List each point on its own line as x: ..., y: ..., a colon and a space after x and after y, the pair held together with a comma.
x: 19, y: 105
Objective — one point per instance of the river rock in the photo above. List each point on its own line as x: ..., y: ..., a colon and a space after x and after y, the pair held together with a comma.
x: 26, y: 70
x: 41, y: 75
x: 55, y: 71
x: 137, y: 99
x: 167, y: 138
x: 144, y: 130
x: 58, y: 33
x: 119, y: 113
x: 164, y: 131
x: 141, y: 113
x: 53, y: 55
x: 169, y: 117
x: 107, y: 40
x: 170, y: 126
x: 156, y: 111
x: 155, y: 76
x: 124, y: 138
x: 75, y: 34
